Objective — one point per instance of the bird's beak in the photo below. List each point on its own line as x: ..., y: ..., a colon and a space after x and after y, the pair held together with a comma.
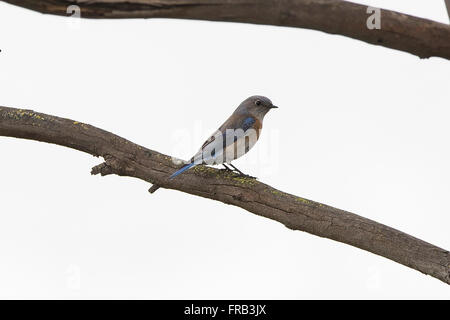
x: 273, y: 107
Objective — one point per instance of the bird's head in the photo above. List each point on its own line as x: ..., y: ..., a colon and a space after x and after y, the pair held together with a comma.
x: 256, y: 106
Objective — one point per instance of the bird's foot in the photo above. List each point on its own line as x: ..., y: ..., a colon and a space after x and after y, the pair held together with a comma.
x: 241, y: 174
x: 226, y: 168
x: 238, y: 172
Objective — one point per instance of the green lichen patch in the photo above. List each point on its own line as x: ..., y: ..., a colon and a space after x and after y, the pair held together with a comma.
x: 82, y: 125
x: 203, y: 169
x: 21, y: 113
x: 244, y: 180
x: 303, y: 200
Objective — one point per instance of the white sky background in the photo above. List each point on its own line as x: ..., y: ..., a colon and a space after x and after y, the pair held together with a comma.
x: 360, y: 127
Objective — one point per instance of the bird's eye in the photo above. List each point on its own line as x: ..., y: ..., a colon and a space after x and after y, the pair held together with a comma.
x: 258, y: 102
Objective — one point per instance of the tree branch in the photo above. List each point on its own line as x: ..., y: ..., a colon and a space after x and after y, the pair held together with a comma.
x: 447, y: 4
x: 421, y: 37
x: 125, y: 158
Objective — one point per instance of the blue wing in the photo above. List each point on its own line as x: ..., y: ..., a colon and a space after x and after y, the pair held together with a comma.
x: 248, y: 123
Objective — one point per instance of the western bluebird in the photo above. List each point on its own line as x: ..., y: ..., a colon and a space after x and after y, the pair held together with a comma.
x: 235, y: 137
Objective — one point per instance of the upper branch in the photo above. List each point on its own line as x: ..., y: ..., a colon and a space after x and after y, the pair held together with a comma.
x: 421, y: 37
x: 125, y: 158
x: 447, y: 4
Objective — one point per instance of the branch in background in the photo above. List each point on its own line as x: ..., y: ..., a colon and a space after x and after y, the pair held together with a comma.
x: 447, y: 4
x: 125, y: 158
x: 421, y: 37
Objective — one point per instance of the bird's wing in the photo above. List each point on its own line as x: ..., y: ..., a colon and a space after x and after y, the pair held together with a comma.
x: 211, y: 139
x: 218, y: 142
x: 244, y: 139
x: 211, y: 148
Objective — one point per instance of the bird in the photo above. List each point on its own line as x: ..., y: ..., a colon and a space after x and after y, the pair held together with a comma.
x: 234, y: 138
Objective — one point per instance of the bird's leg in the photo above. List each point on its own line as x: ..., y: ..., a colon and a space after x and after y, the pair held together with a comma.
x: 236, y: 169
x: 226, y: 167
x: 241, y: 173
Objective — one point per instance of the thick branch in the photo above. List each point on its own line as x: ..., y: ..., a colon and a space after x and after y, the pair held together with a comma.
x: 125, y: 158
x: 421, y: 37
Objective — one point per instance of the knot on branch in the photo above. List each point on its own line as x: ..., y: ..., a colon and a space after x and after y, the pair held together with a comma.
x: 111, y: 165
x: 103, y: 169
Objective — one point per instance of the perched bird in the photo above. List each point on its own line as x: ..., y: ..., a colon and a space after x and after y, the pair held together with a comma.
x: 235, y: 137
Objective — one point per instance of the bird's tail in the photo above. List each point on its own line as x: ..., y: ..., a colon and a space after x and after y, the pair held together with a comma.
x: 183, y: 169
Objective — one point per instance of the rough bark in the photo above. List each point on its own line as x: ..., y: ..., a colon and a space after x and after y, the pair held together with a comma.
x: 421, y: 37
x: 126, y: 158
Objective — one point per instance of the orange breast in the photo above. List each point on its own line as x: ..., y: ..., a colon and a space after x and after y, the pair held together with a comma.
x: 258, y: 127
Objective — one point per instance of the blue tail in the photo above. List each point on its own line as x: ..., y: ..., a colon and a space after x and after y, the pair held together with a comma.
x: 186, y: 167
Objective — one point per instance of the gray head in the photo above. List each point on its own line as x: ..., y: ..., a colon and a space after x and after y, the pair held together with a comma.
x: 256, y: 106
